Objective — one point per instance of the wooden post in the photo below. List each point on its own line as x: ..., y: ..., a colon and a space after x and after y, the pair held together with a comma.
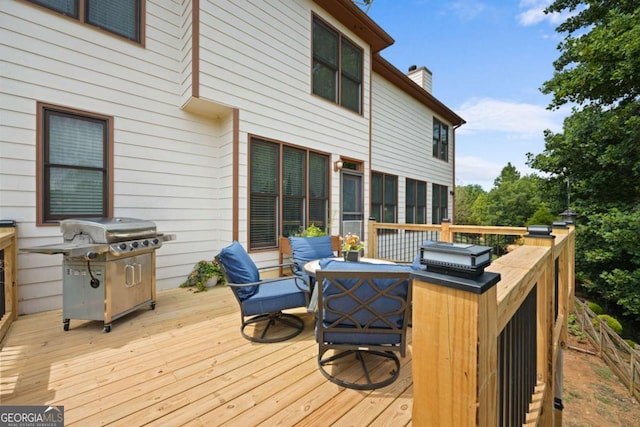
x: 546, y: 361
x: 372, y: 239
x: 9, y: 264
x: 445, y: 234
x: 455, y: 343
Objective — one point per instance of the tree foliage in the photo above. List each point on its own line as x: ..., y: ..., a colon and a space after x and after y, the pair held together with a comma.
x: 464, y: 200
x: 598, y: 151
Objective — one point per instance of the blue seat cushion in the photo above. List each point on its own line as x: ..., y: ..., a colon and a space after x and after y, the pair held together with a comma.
x: 348, y: 337
x: 240, y: 269
x: 305, y: 249
x: 346, y: 303
x: 275, y: 296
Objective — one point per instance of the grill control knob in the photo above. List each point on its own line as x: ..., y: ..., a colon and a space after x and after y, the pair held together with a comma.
x: 145, y: 243
x: 134, y: 245
x: 122, y: 246
x: 155, y: 241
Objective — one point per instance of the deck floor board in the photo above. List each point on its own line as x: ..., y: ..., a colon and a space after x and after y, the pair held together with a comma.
x: 184, y: 363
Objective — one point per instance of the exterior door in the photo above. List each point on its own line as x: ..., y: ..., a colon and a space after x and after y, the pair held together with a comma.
x: 352, y: 205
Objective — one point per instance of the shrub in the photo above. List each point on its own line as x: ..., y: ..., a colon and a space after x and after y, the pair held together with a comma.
x: 631, y: 343
x: 595, y: 308
x: 612, y: 323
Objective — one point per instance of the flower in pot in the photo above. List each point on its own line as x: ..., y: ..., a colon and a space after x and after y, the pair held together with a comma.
x: 352, y: 247
x: 205, y: 274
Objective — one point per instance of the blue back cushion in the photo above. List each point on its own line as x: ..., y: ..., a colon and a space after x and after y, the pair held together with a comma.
x: 305, y: 249
x: 346, y: 303
x: 240, y: 268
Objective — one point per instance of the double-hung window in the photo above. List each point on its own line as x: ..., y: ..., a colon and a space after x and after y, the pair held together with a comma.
x: 121, y: 17
x: 440, y: 140
x: 440, y: 201
x: 289, y: 190
x: 416, y: 202
x: 74, y: 153
x: 337, y: 67
x: 384, y: 197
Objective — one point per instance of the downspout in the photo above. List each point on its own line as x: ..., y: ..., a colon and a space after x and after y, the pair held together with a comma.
x: 453, y: 184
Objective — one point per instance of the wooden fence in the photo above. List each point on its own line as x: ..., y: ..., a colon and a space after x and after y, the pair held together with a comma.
x: 487, y: 351
x: 623, y: 360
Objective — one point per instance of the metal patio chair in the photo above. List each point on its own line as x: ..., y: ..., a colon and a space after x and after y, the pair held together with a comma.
x: 262, y: 301
x: 363, y: 310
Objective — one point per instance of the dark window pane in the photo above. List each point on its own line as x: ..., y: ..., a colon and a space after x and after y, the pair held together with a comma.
x: 118, y: 16
x: 390, y: 198
x: 67, y: 7
x: 351, y: 61
x: 325, y: 81
x: 263, y: 226
x: 325, y: 44
x: 350, y: 95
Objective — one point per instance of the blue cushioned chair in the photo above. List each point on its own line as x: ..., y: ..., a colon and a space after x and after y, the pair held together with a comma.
x: 305, y: 249
x: 262, y: 301
x: 363, y: 309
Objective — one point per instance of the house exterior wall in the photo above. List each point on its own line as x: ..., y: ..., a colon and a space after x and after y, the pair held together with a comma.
x: 164, y: 160
x: 402, y: 141
x: 179, y: 114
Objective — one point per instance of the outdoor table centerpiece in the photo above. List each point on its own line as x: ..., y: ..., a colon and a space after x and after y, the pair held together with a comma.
x: 352, y: 247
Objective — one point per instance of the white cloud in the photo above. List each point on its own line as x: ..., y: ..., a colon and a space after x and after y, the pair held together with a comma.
x: 518, y: 120
x: 533, y: 13
x: 466, y: 10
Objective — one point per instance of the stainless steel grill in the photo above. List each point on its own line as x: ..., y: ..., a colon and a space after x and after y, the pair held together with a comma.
x: 109, y: 267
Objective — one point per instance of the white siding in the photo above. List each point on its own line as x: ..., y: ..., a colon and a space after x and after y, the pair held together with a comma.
x: 402, y: 141
x: 165, y: 160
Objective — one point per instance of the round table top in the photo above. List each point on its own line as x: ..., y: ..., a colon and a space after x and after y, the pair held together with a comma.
x: 311, y: 267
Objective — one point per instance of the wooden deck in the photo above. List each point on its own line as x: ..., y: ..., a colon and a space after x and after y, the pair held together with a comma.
x: 184, y: 363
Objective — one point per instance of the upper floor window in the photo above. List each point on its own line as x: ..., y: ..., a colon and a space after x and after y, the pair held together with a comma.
x: 440, y: 140
x: 416, y: 202
x: 440, y: 203
x: 384, y: 197
x: 289, y: 190
x: 121, y: 17
x: 74, y: 155
x: 337, y: 67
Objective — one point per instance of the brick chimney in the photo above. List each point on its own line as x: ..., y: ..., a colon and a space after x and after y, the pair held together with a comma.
x: 422, y: 76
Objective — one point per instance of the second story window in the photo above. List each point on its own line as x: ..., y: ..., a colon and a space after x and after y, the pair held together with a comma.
x: 121, y: 17
x: 337, y: 67
x: 440, y: 140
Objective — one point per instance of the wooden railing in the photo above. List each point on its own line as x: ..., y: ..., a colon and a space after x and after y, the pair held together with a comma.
x: 487, y: 351
x: 8, y: 274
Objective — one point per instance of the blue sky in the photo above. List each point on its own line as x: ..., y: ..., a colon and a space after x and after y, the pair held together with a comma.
x: 488, y: 58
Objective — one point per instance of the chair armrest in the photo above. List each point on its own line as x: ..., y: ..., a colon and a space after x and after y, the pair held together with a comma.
x: 303, y: 288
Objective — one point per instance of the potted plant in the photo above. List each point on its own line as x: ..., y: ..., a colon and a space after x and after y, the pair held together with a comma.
x: 352, y: 247
x: 205, y: 274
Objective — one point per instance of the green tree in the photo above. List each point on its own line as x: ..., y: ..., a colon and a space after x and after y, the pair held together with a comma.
x: 464, y: 200
x: 598, y: 72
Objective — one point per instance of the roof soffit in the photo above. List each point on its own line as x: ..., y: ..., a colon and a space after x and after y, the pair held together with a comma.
x: 352, y: 17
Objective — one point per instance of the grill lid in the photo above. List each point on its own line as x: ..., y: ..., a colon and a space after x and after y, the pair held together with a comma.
x: 108, y: 230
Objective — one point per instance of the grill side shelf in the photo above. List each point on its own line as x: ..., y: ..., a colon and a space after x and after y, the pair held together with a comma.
x: 69, y: 249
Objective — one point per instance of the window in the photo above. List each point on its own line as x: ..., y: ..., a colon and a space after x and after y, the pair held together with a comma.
x: 337, y: 67
x: 416, y: 202
x: 121, y: 17
x: 289, y: 189
x: 74, y: 155
x: 384, y: 197
x: 440, y: 199
x: 440, y: 140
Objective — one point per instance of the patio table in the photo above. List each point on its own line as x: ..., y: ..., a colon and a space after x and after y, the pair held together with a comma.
x: 311, y: 267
